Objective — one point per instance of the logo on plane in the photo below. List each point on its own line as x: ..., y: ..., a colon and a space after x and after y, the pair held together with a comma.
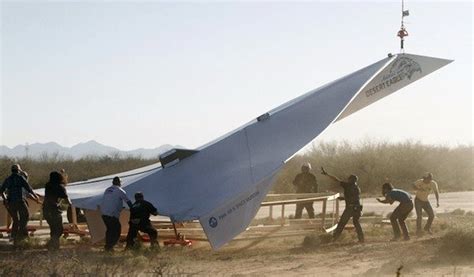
x: 401, y: 68
x: 213, y: 222
x: 404, y: 67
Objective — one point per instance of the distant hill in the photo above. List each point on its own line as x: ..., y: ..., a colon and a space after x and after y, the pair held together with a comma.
x: 90, y: 148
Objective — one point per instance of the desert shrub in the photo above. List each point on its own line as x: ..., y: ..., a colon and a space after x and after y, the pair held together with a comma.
x: 443, y: 226
x: 31, y: 243
x: 373, y: 161
x: 458, y: 212
x: 137, y: 261
x: 77, y: 170
x: 376, y: 231
x: 376, y: 162
x: 313, y: 241
x: 458, y: 244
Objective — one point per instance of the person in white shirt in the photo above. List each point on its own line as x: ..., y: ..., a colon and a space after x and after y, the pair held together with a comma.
x: 423, y: 188
x: 111, y: 206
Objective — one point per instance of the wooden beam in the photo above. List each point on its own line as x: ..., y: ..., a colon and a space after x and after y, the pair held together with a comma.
x: 305, y: 200
x: 41, y: 218
x: 324, y: 213
x: 74, y: 215
x: 282, y: 214
x: 290, y: 195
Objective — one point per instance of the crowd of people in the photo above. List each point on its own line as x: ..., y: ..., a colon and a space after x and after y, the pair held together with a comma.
x: 305, y: 182
x: 15, y: 190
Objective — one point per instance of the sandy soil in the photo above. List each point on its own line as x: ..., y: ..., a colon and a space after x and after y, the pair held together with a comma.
x: 265, y: 257
x: 287, y: 257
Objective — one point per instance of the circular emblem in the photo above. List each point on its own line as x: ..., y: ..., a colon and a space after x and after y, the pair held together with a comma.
x: 213, y: 222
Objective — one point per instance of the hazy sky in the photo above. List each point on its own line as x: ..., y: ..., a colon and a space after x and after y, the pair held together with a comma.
x: 141, y: 74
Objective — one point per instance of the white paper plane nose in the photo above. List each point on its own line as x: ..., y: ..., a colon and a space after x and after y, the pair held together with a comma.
x: 400, y: 71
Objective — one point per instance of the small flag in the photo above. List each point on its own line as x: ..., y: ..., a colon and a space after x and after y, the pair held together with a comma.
x: 406, y: 13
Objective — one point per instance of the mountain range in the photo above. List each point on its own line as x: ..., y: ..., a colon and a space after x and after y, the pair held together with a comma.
x: 90, y: 148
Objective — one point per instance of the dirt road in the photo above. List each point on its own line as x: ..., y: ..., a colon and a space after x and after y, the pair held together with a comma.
x: 448, y: 202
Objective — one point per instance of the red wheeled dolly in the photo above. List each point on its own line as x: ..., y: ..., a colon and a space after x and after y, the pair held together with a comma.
x: 179, y: 240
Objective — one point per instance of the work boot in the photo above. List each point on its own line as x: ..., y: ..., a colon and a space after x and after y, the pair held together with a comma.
x: 53, y: 245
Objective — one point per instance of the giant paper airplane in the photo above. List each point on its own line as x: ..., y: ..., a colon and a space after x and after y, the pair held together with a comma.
x: 223, y: 183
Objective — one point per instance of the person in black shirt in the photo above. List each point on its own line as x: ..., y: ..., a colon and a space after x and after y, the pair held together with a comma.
x: 140, y: 212
x: 16, y: 203
x: 54, y: 190
x: 305, y: 182
x: 353, y: 207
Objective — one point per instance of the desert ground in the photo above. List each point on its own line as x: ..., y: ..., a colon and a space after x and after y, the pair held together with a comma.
x: 448, y: 252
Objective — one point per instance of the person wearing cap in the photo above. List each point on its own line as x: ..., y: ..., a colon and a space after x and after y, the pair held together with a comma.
x: 54, y: 191
x: 111, y: 206
x: 16, y: 203
x: 423, y: 189
x: 140, y: 221
x: 353, y: 206
x: 401, y: 212
x: 305, y: 182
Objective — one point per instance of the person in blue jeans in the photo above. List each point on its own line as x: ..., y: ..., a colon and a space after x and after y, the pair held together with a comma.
x: 401, y: 212
x: 14, y: 191
x: 424, y: 187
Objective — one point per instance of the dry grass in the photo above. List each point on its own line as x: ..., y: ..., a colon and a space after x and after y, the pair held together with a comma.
x: 288, y: 256
x: 458, y: 244
x: 315, y: 241
x: 77, y: 170
x: 372, y: 161
x: 376, y: 161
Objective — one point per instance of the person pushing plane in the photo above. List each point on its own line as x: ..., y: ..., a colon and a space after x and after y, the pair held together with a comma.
x: 111, y: 206
x: 423, y: 189
x: 140, y: 212
x: 401, y: 212
x: 16, y: 203
x: 353, y: 206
